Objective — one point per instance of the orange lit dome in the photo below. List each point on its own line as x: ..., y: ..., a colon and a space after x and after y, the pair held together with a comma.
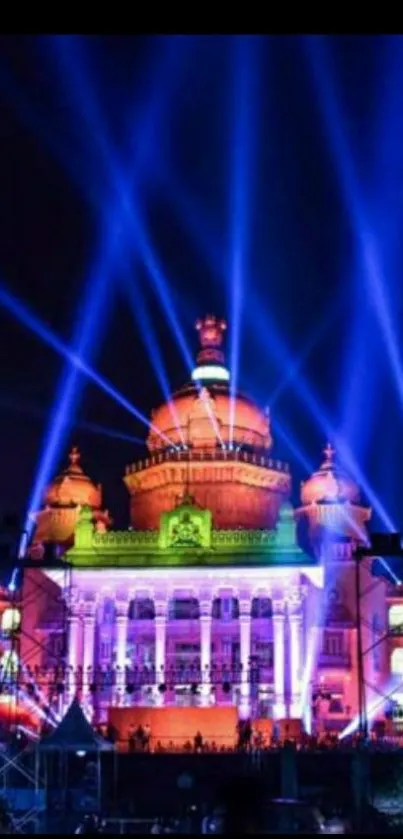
x: 72, y: 487
x: 204, y: 414
x: 329, y: 483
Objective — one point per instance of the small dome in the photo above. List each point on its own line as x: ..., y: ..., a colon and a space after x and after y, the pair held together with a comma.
x: 329, y: 483
x: 72, y: 487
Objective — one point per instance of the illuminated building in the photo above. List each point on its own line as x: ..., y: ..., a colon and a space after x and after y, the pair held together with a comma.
x: 220, y: 594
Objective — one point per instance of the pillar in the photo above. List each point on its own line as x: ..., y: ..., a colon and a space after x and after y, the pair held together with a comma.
x: 88, y: 654
x: 295, y: 619
x: 74, y: 657
x: 245, y: 650
x: 122, y: 621
x: 279, y: 709
x: 205, y: 649
x: 160, y: 605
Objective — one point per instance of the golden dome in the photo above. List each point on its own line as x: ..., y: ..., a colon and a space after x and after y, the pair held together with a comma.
x: 329, y: 483
x: 204, y: 414
x: 72, y: 487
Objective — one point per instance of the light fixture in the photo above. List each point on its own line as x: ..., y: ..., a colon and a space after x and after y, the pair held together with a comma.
x: 210, y: 372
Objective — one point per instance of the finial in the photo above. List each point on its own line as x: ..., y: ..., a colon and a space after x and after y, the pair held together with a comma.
x: 211, y: 331
x: 74, y: 457
x: 329, y: 453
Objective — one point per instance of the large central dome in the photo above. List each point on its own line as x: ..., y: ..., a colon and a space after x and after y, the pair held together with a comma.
x: 205, y: 414
x: 212, y: 444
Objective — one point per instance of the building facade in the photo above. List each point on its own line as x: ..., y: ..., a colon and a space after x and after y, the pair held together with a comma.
x: 220, y: 593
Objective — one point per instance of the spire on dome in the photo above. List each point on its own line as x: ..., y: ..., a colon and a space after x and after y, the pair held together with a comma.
x: 211, y: 331
x: 74, y: 459
x: 329, y: 453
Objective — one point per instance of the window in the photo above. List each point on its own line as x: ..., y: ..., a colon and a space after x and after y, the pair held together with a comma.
x: 105, y: 649
x: 226, y: 648
x: 186, y: 609
x: 396, y: 618
x: 335, y: 706
x: 108, y: 615
x: 333, y: 643
x: 396, y: 662
x: 142, y: 609
x: 264, y: 653
x: 261, y: 607
x: 225, y: 608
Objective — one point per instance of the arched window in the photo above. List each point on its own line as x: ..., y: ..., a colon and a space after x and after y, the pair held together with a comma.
x: 141, y: 609
x: 10, y: 620
x: 261, y: 607
x: 396, y: 661
x: 396, y: 618
x: 186, y: 608
x: 108, y: 613
x: 225, y: 608
x: 9, y: 663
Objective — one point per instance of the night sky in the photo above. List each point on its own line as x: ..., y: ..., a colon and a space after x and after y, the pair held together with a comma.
x: 70, y: 115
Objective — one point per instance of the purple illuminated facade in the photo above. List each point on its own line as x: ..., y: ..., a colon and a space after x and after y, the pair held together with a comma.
x: 209, y: 599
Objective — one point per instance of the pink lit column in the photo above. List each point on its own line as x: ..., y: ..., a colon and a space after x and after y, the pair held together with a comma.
x: 160, y: 605
x: 205, y: 649
x: 88, y: 655
x: 122, y: 620
x: 73, y: 652
x: 279, y: 710
x: 245, y: 648
x: 295, y: 619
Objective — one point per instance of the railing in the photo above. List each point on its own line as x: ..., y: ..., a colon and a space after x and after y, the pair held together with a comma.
x: 220, y: 454
x: 133, y: 678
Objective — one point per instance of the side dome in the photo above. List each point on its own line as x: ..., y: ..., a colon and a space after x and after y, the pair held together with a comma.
x: 73, y: 487
x: 329, y: 483
x: 205, y: 413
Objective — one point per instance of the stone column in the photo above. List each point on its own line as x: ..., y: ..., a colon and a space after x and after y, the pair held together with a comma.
x: 74, y: 653
x: 122, y: 621
x: 295, y: 619
x: 205, y: 606
x: 245, y: 626
x: 279, y: 709
x: 160, y: 605
x: 88, y: 654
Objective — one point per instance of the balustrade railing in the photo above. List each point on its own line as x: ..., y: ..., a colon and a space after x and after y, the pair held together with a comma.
x: 228, y: 455
x: 100, y: 678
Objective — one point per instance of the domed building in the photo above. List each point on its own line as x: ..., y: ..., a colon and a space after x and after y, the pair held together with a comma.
x: 330, y: 501
x: 66, y: 495
x: 218, y: 441
x: 209, y: 609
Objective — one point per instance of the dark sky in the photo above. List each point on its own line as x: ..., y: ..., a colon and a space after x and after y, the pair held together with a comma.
x: 71, y: 119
